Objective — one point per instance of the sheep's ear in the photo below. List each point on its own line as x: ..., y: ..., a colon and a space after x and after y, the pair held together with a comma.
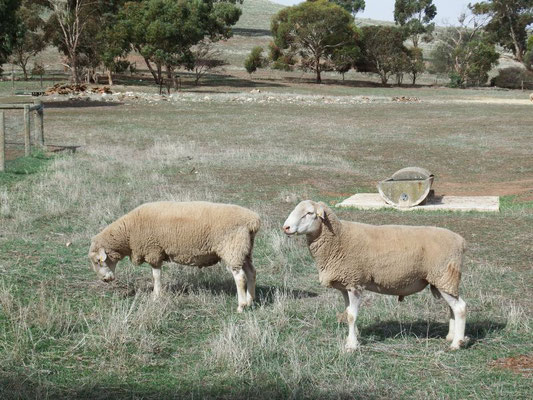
x: 102, y: 256
x: 320, y: 211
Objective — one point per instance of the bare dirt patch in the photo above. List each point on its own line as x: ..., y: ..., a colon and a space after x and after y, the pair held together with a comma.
x: 522, y: 364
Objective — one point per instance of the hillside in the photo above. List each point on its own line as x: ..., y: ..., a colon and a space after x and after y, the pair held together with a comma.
x: 256, y: 15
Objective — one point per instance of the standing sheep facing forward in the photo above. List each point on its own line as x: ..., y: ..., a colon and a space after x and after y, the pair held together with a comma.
x: 390, y: 259
x: 190, y: 233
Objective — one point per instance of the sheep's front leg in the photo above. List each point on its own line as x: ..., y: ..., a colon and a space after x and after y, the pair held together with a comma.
x: 240, y: 282
x: 156, y: 273
x: 249, y: 270
x: 354, y: 300
x: 458, y: 322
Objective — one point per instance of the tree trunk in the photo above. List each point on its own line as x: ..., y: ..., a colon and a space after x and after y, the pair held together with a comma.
x: 414, y: 78
x: 24, y: 71
x: 147, y: 61
x: 172, y: 76
x: 384, y: 78
x: 317, y: 69
x: 109, y: 77
x: 74, y: 69
x: 159, y: 73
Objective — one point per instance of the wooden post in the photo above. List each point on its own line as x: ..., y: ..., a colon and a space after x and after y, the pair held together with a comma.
x: 2, y: 142
x: 27, y: 137
x: 39, y: 124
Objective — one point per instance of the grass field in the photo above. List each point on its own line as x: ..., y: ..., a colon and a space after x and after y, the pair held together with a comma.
x: 65, y: 334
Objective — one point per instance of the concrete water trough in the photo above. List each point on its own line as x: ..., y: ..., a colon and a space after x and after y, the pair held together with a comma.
x: 410, y: 189
x: 407, y: 187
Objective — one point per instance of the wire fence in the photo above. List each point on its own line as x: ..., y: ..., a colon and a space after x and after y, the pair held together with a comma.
x: 17, y: 122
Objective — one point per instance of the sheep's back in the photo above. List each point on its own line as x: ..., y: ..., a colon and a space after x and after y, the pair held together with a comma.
x: 401, y: 254
x: 187, y: 230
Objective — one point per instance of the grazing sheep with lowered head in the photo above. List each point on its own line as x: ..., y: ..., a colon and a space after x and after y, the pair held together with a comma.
x: 390, y: 259
x: 191, y: 233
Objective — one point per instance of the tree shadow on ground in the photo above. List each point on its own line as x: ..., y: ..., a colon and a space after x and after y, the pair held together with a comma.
x: 382, y: 330
x: 80, y: 104
x: 251, y: 32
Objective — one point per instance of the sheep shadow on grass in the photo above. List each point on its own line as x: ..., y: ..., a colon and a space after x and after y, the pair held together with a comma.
x: 264, y: 294
x: 476, y: 330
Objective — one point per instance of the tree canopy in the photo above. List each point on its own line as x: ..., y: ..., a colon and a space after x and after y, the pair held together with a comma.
x: 383, y: 51
x: 313, y: 30
x: 163, y: 31
x: 352, y: 6
x: 415, y: 17
x: 508, y: 22
x: 9, y: 26
x: 466, y: 53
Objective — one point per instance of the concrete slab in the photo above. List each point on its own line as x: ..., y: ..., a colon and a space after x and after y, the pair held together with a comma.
x: 373, y: 201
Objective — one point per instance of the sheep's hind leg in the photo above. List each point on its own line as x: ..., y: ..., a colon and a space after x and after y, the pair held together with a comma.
x: 451, y: 330
x: 354, y: 299
x: 156, y: 273
x: 458, y: 322
x: 249, y: 270
x: 240, y: 282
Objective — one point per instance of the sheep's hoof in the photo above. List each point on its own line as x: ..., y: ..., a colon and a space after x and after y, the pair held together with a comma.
x: 351, y: 347
x: 249, y: 302
x: 449, y: 337
x: 240, y: 309
x: 460, y: 343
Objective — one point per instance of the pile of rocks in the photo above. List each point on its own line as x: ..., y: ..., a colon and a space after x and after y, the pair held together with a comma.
x: 71, y: 89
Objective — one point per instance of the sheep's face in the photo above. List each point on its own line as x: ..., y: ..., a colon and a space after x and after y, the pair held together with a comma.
x: 102, y: 265
x: 306, y: 218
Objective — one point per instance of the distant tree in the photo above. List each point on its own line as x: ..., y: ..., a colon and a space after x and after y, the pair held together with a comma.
x: 9, y: 27
x: 205, y: 59
x: 466, y: 53
x: 508, y: 22
x: 66, y: 25
x: 254, y: 60
x: 313, y: 30
x: 415, y: 17
x: 383, y: 51
x: 344, y: 58
x: 282, y: 60
x: 163, y: 31
x: 528, y: 57
x: 31, y: 35
x: 416, y: 64
x: 352, y: 6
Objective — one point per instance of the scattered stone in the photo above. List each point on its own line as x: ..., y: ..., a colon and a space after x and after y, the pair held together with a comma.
x: 404, y: 99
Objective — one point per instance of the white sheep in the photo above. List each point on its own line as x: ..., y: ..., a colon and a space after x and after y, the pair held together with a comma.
x: 390, y: 259
x: 190, y: 233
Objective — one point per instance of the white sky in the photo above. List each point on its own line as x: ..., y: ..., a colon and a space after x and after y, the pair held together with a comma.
x: 447, y: 10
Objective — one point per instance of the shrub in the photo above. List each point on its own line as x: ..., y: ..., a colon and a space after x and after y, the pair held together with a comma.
x: 512, y: 77
x: 254, y: 60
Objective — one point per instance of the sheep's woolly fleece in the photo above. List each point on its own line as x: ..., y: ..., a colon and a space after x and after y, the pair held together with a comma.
x: 190, y: 233
x: 391, y: 256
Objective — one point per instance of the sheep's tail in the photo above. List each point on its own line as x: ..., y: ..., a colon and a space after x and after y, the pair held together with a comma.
x: 254, y: 224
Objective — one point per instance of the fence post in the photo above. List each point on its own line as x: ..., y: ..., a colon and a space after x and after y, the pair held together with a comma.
x: 39, y: 128
x: 2, y: 142
x: 27, y: 137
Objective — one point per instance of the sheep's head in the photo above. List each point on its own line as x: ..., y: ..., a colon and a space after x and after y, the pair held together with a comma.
x: 102, y: 264
x: 306, y: 218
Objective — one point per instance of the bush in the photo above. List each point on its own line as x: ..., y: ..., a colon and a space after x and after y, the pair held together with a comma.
x: 512, y: 77
x: 254, y: 60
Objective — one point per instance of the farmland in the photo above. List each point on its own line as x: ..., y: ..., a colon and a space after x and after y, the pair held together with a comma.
x: 265, y: 143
